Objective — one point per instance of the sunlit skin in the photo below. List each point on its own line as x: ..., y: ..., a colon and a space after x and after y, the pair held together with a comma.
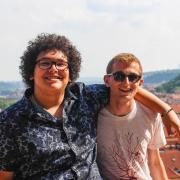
x: 122, y: 93
x: 50, y: 84
x: 51, y: 80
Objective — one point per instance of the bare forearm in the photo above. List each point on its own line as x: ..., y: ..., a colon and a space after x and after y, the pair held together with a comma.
x: 158, y: 171
x: 151, y: 101
x: 156, y: 166
x: 172, y: 118
x: 157, y: 105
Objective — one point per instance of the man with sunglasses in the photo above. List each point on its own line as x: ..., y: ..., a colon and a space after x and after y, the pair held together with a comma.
x: 129, y: 134
x: 51, y: 132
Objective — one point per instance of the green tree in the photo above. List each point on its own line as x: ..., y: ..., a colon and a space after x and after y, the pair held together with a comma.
x: 171, y: 86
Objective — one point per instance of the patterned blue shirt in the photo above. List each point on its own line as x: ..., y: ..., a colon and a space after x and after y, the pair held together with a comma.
x: 36, y: 145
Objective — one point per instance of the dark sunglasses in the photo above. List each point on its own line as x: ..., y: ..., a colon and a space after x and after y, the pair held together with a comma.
x: 120, y: 76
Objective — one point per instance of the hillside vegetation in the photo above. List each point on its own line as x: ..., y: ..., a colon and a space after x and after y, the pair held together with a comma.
x: 4, y: 103
x: 172, y: 86
x: 159, y: 77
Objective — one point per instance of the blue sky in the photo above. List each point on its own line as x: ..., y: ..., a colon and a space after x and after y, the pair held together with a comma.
x: 100, y: 29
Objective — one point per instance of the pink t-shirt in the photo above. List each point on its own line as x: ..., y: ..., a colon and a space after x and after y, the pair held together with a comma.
x: 123, y: 142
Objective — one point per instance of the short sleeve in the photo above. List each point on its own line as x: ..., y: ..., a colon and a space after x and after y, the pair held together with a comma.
x: 158, y: 137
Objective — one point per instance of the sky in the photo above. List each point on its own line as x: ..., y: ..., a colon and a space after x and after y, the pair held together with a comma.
x: 100, y: 29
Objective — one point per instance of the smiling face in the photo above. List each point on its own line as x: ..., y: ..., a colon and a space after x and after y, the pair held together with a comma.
x: 125, y: 90
x: 51, y: 79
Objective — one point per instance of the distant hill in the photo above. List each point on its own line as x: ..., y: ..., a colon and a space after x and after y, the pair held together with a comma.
x: 160, y: 77
x: 91, y: 80
x: 7, y: 88
x: 171, y: 86
x: 11, y: 85
x: 152, y: 77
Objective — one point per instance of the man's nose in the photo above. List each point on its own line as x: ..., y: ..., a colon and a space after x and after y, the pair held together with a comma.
x: 126, y: 80
x: 53, y: 67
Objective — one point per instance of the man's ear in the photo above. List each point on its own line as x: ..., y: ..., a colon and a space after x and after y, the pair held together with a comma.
x: 141, y: 82
x: 106, y: 80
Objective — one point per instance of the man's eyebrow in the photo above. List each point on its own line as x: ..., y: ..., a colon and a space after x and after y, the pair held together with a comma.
x: 61, y: 59
x: 58, y: 59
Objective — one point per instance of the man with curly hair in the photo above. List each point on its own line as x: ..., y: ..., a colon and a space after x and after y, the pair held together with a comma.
x: 51, y: 132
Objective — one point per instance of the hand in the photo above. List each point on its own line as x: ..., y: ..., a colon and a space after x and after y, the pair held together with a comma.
x: 171, y: 120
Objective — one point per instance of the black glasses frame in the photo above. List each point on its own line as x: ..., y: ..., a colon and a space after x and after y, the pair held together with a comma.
x: 63, y: 67
x: 120, y: 76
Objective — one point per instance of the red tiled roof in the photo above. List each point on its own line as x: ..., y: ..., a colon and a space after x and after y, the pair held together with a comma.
x: 171, y: 156
x: 171, y: 159
x: 175, y: 96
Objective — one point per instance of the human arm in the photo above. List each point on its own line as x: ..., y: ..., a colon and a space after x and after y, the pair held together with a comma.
x: 157, y: 105
x: 8, y: 151
x: 156, y: 166
x: 6, y: 175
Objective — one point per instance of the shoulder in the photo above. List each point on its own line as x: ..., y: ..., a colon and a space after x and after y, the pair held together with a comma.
x: 146, y: 112
x: 79, y: 88
x: 95, y: 95
x: 20, y: 107
x: 10, y: 113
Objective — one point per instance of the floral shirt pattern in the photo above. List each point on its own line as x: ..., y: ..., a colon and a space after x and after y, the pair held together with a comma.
x: 36, y: 145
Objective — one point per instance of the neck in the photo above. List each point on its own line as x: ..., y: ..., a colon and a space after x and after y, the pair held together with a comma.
x: 120, y: 108
x: 51, y: 102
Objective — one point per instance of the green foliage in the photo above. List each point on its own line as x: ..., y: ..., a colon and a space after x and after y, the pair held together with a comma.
x: 170, y: 87
x: 4, y: 103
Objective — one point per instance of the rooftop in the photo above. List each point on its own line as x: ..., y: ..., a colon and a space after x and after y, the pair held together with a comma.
x: 171, y: 157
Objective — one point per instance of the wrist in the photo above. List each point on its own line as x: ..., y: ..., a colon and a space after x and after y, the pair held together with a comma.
x: 165, y: 113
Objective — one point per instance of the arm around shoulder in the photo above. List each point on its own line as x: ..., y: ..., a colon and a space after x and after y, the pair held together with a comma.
x: 156, y: 104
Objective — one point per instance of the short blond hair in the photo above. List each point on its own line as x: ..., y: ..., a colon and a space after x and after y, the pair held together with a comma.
x: 126, y: 58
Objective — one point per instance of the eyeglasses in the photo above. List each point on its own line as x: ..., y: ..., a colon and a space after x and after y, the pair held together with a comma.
x: 47, y: 64
x: 120, y: 76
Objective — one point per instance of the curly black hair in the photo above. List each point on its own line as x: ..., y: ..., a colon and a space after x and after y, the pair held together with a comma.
x: 44, y: 42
